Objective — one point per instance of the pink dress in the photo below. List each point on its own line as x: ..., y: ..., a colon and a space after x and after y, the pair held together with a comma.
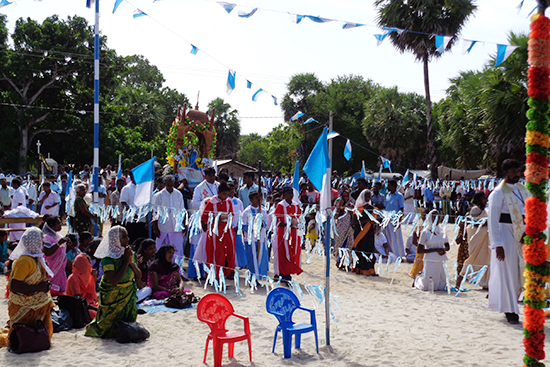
x: 57, y: 263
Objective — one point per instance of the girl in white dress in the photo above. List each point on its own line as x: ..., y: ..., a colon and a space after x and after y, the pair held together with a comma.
x: 433, y: 244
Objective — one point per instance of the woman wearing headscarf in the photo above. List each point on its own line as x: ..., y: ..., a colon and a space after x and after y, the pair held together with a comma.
x: 364, y: 232
x: 29, y: 299
x: 82, y: 282
x: 56, y: 254
x: 343, y: 207
x: 164, y: 274
x: 117, y: 289
x: 433, y: 243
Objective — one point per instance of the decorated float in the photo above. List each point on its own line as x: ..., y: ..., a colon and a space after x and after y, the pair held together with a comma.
x: 191, y: 144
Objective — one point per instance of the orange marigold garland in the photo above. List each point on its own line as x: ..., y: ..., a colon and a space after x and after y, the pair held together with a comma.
x: 536, y: 173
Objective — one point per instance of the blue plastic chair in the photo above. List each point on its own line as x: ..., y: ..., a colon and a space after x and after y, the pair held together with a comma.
x: 282, y: 303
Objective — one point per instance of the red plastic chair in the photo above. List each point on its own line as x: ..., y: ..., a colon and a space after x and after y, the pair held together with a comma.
x: 214, y: 309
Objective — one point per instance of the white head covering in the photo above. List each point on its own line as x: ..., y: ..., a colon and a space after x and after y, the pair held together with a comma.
x: 48, y: 231
x: 110, y: 246
x: 438, y: 230
x: 361, y: 201
x: 31, y: 244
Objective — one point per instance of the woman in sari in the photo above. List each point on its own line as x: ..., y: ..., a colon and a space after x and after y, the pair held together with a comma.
x: 145, y: 256
x: 82, y: 283
x: 29, y: 300
x: 364, y: 235
x: 433, y: 243
x: 343, y: 207
x: 477, y: 239
x: 117, y: 289
x: 164, y: 274
x: 82, y: 216
x: 418, y: 263
x: 55, y: 249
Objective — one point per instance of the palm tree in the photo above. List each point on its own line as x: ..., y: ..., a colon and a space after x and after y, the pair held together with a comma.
x: 421, y: 19
x: 228, y: 128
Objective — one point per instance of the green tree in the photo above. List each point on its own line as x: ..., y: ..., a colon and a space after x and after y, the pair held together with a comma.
x: 424, y: 18
x: 394, y: 125
x: 460, y: 116
x: 504, y: 101
x: 228, y: 128
x: 47, y: 66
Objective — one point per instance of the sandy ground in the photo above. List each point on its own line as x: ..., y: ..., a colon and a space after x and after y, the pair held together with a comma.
x: 378, y: 324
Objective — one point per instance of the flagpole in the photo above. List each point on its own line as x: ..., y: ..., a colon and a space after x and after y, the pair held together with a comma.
x: 95, y: 177
x: 327, y: 240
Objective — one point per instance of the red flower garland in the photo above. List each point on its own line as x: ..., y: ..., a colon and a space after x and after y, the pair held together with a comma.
x: 537, y: 89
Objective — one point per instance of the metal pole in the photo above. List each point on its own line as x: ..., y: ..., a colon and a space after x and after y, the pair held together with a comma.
x: 327, y: 242
x: 95, y: 177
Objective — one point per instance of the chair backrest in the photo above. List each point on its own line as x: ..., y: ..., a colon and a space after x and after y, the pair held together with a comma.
x: 282, y: 301
x: 214, y: 308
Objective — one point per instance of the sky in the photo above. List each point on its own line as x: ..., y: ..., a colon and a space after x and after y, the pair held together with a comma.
x: 268, y: 49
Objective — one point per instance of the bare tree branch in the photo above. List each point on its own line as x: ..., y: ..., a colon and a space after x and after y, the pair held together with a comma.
x: 37, y: 120
x: 14, y: 86
x: 40, y: 131
x: 37, y: 94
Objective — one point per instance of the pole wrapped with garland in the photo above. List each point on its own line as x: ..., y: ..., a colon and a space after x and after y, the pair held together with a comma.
x: 536, y: 173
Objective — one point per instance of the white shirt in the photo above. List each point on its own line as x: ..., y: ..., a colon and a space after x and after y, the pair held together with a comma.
x: 409, y: 195
x: 127, y: 195
x: 19, y: 198
x: 172, y: 200
x: 203, y: 191
x: 52, y: 199
x: 497, y: 205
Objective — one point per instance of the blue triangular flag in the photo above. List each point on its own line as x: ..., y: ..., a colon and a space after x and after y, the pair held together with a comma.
x: 347, y: 150
x: 258, y: 93
x: 468, y: 45
x: 311, y: 119
x: 503, y: 51
x: 144, y: 178
x: 244, y: 14
x: 194, y: 49
x: 296, y: 116
x: 248, y: 84
x: 296, y: 182
x: 317, y: 168
x: 139, y: 13
x: 227, y: 6
x: 231, y: 81
x: 117, y: 4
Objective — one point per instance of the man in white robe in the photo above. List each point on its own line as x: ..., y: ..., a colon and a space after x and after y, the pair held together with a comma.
x: 18, y: 199
x: 506, y: 228
x: 166, y: 201
x: 49, y: 200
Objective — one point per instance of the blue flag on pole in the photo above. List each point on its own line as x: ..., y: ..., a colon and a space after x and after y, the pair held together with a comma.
x: 363, y: 169
x: 317, y: 168
x: 144, y: 177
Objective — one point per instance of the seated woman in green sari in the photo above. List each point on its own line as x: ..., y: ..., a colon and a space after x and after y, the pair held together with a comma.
x: 117, y: 289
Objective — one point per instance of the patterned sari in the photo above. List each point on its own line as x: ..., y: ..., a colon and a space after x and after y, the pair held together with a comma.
x: 28, y: 309
x: 166, y: 279
x: 116, y: 302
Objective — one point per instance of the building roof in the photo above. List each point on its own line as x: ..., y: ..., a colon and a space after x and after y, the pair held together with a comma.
x: 222, y: 162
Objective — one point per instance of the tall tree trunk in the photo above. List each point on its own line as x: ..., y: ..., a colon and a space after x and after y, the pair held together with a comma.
x: 430, y: 137
x: 23, y: 149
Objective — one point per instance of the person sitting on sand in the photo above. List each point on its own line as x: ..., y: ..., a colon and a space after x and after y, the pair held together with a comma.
x: 382, y: 247
x: 117, y: 289
x: 29, y: 285
x: 145, y: 256
x: 433, y: 243
x: 164, y: 275
x: 82, y: 283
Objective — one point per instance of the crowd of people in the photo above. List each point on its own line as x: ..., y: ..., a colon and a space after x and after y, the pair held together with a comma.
x: 254, y: 224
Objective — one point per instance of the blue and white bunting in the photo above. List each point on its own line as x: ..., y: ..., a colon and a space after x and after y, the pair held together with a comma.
x: 88, y: 3
x: 311, y: 119
x: 139, y: 13
x: 318, y: 19
x: 386, y: 163
x: 227, y: 6
x: 297, y: 116
x: 258, y: 93
x: 441, y: 43
x: 350, y: 25
x: 275, y: 100
x: 244, y: 14
x: 295, y: 18
x: 6, y: 3
x: 230, y: 81
x: 249, y: 84
x: 363, y: 173
x: 194, y: 49
x: 503, y: 51
x: 117, y: 5
x: 347, y: 150
x: 467, y: 46
x: 332, y: 135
